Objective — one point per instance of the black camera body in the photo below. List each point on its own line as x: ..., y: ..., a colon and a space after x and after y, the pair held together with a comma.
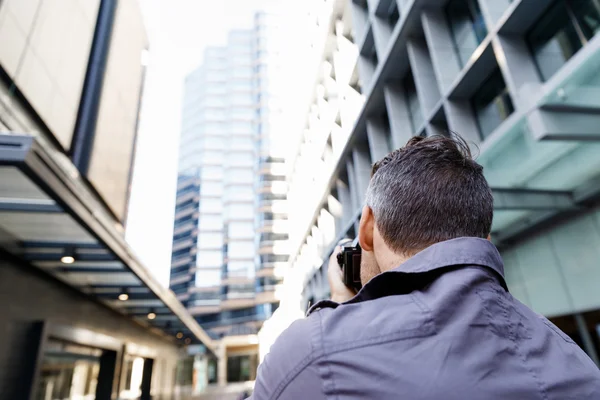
x: 349, y: 261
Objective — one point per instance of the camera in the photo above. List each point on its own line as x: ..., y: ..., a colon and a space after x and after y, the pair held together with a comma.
x: 349, y: 261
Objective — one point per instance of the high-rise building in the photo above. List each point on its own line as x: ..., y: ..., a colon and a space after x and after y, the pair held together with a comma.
x: 230, y: 243
x: 517, y: 79
x: 83, y: 318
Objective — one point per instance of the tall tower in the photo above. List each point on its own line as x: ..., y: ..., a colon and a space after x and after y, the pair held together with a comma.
x: 230, y: 234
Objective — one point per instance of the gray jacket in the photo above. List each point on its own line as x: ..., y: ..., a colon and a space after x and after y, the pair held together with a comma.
x: 441, y: 326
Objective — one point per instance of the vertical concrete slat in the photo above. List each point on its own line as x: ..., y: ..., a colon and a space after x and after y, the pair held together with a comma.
x: 518, y: 69
x: 352, y: 186
x: 461, y: 120
x: 424, y: 76
x: 400, y: 125
x: 382, y: 32
x: 346, y: 201
x: 362, y: 169
x: 446, y: 64
x: 377, y: 135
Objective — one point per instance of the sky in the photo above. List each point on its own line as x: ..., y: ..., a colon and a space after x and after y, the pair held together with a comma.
x: 178, y: 32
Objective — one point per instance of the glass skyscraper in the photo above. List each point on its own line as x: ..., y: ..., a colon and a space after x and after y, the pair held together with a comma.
x: 230, y: 232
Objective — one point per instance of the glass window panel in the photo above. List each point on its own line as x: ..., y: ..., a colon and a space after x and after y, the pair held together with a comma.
x: 239, y: 175
x: 211, y: 206
x: 467, y: 26
x: 208, y: 278
x: 239, y: 159
x: 241, y: 230
x: 211, y: 222
x: 240, y: 211
x: 239, y: 192
x: 578, y: 254
x: 492, y: 103
x: 210, y: 240
x: 241, y: 249
x: 206, y: 258
x: 211, y: 189
x: 587, y: 14
x: 554, y: 40
x: 211, y: 173
x: 240, y: 266
x: 211, y: 157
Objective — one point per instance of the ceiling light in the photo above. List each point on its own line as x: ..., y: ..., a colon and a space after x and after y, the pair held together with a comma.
x: 67, y: 259
x: 151, y: 314
x: 179, y: 335
x: 124, y: 295
x: 188, y: 341
x: 68, y: 256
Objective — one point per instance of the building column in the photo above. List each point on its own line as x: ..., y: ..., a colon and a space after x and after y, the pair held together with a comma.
x: 424, y: 76
x: 443, y: 54
x: 222, y: 364
x: 400, y: 125
x: 377, y: 134
x: 362, y: 169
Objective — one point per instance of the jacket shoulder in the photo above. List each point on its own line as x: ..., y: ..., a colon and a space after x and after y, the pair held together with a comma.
x: 290, y: 358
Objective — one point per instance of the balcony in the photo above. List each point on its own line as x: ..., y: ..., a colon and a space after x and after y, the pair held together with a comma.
x: 180, y: 278
x: 188, y: 225
x: 182, y: 244
x: 181, y: 261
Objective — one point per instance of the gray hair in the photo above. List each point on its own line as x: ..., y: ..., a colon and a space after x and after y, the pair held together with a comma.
x: 429, y: 191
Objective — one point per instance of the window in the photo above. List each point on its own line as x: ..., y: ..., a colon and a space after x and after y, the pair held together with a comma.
x: 492, y: 103
x: 241, y: 249
x: 238, y: 159
x: 211, y: 173
x: 208, y: 278
x: 561, y: 32
x: 214, y: 143
x: 240, y: 175
x: 211, y: 222
x: 240, y: 211
x: 242, y: 368
x: 467, y: 27
x: 241, y: 230
x: 210, y: 240
x: 209, y: 259
x: 211, y: 206
x: 239, y: 193
x: 211, y: 189
x: 211, y: 157
x: 241, y: 266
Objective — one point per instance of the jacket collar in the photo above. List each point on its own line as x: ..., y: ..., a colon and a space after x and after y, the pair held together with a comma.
x: 427, y: 265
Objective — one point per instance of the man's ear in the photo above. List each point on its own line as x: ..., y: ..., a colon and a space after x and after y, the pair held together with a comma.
x: 366, y: 228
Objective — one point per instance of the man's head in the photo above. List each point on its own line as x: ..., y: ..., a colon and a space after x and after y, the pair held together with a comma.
x: 429, y: 191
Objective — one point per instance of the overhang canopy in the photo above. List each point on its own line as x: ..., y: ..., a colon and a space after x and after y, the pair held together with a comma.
x: 47, y: 212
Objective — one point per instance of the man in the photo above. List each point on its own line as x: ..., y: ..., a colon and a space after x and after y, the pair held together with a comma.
x: 434, y: 319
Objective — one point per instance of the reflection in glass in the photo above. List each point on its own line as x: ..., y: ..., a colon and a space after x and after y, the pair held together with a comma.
x: 561, y: 32
x: 69, y: 372
x: 492, y: 103
x: 242, y: 368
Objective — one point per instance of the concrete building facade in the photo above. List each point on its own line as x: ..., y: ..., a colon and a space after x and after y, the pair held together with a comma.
x: 81, y: 316
x: 517, y: 79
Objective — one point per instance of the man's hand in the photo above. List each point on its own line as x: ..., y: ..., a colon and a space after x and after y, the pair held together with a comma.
x: 339, y: 292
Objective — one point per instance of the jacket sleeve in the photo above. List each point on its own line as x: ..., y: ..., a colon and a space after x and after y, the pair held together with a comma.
x: 289, y: 371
